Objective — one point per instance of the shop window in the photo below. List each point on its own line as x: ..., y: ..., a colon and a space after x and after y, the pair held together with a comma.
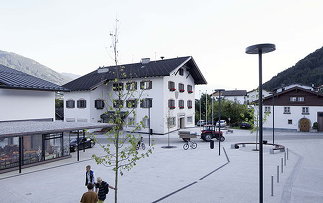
x: 99, y: 104
x: 81, y: 103
x: 70, y: 104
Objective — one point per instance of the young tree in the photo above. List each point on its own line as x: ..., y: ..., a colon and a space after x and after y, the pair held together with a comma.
x: 122, y: 154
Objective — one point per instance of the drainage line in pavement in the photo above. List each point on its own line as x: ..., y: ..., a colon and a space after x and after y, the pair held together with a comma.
x: 175, y: 192
x: 213, y: 171
x: 226, y: 154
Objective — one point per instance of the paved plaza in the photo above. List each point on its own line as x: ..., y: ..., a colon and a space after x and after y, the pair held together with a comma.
x: 178, y: 175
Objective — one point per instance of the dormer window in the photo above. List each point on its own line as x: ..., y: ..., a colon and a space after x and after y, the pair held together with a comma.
x: 181, y: 87
x: 181, y: 71
x: 171, y: 86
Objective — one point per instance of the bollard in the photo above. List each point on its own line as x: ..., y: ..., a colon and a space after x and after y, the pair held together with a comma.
x: 212, y: 144
x: 278, y: 174
x: 281, y: 165
x: 287, y: 153
x: 272, y: 185
x: 285, y: 158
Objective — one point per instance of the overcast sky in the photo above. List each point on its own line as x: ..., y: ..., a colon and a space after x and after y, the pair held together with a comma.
x: 73, y: 35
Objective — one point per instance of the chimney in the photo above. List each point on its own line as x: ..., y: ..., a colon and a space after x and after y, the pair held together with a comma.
x: 145, y: 60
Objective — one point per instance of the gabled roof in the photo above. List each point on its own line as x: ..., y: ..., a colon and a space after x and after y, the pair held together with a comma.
x: 13, y: 79
x: 136, y: 70
x: 292, y: 89
x: 234, y: 93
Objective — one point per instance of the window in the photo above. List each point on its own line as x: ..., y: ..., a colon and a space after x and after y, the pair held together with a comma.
x: 181, y: 104
x: 171, y: 121
x: 189, y: 89
x: 118, y: 103
x: 131, y: 86
x: 171, y: 86
x: 70, y: 104
x: 181, y: 71
x: 131, y: 103
x: 267, y: 109
x: 290, y: 121
x: 146, y: 103
x: 293, y: 99
x: 189, y: 104
x: 117, y: 86
x: 145, y: 85
x: 190, y: 119
x: 181, y: 87
x: 131, y: 121
x: 171, y: 104
x: 99, y: 104
x: 305, y: 110
x: 300, y: 99
x: 81, y: 103
x: 286, y: 110
x: 145, y: 122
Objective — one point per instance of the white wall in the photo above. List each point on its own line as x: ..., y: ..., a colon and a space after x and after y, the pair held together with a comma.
x: 26, y: 104
x: 237, y: 99
x: 281, y: 119
x: 77, y: 114
x: 253, y: 95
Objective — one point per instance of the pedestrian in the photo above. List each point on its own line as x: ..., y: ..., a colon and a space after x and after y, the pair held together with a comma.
x: 102, y: 188
x: 89, y: 176
x: 90, y: 196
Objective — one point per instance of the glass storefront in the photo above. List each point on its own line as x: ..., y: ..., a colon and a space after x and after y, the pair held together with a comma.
x: 35, y: 148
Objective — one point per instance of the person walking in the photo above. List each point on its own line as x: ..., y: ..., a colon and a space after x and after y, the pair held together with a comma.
x: 90, y: 196
x: 89, y: 176
x: 102, y: 188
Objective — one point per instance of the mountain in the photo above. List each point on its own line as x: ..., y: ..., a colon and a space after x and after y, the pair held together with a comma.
x: 70, y: 76
x: 32, y: 67
x: 307, y: 71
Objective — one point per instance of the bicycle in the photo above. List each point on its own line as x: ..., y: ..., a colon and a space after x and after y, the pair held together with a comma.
x: 188, y: 144
x: 141, y: 144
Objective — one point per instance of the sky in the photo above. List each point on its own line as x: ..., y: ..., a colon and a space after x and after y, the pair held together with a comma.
x: 73, y: 36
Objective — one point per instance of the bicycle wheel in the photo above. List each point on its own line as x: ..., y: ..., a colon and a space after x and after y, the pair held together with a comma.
x: 143, y: 146
x: 185, y: 146
x: 193, y: 145
x: 138, y: 146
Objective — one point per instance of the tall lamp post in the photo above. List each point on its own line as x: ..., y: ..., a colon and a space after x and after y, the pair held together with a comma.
x: 200, y: 107
x: 273, y: 116
x: 219, y: 114
x: 260, y: 49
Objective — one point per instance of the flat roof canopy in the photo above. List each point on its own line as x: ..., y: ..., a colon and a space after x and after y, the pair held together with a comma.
x: 10, y: 129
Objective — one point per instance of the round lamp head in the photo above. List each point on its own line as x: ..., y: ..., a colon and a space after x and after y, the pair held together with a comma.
x: 260, y: 48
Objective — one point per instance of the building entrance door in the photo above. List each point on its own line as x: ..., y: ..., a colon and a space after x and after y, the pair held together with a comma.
x: 181, y: 123
x: 304, y: 125
x: 320, y: 121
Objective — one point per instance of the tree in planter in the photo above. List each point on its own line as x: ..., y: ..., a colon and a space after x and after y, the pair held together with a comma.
x: 122, y: 154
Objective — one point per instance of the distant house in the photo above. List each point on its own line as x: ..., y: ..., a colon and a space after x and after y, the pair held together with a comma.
x: 166, y: 89
x: 292, y: 86
x: 295, y: 108
x: 253, y: 95
x: 28, y: 135
x: 237, y: 96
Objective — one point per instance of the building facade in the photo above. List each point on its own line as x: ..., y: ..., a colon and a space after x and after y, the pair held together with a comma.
x: 160, y: 94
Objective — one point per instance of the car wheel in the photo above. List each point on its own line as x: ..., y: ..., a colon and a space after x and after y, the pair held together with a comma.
x: 208, y: 138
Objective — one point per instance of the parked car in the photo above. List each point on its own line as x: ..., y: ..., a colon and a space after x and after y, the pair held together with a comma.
x: 223, y: 123
x: 245, y: 125
x: 80, y: 143
x: 208, y: 133
x: 201, y: 123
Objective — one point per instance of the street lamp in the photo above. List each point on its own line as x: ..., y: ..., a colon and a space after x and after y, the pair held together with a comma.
x: 219, y: 114
x: 260, y: 49
x: 273, y: 116
x: 200, y: 107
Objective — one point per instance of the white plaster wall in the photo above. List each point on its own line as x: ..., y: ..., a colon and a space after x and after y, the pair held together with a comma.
x: 101, y: 92
x: 237, y: 99
x: 77, y: 114
x: 281, y: 119
x: 26, y: 104
x: 253, y: 96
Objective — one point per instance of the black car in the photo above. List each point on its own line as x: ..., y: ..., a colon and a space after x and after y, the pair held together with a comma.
x: 245, y: 125
x: 81, y: 143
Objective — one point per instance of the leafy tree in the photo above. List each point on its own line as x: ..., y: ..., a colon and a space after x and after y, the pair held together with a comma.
x: 122, y: 154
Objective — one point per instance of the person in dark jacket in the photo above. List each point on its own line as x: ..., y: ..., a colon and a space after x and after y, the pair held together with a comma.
x: 89, y: 176
x: 102, y: 188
